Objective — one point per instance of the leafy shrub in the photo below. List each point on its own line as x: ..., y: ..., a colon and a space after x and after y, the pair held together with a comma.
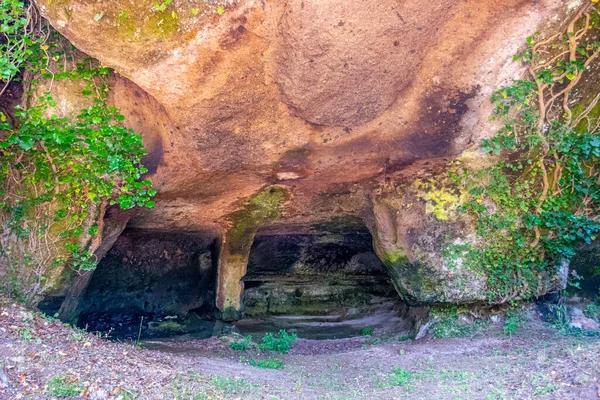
x: 512, y: 322
x: 242, y: 344
x: 64, y: 386
x: 367, y: 331
x: 282, y: 344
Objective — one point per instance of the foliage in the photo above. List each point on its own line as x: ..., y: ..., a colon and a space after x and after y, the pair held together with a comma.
x: 64, y: 386
x: 282, y: 344
x: 451, y: 327
x: 573, y: 280
x: 267, y: 363
x: 448, y: 323
x: 559, y: 318
x: 367, y: 331
x: 534, y: 206
x: 592, y: 311
x: 57, y: 172
x: 20, y: 40
x: 511, y: 323
x: 231, y: 386
x: 242, y: 344
x: 400, y: 377
x: 158, y: 6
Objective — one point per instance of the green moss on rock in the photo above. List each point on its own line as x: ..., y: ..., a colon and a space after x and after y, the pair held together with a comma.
x: 260, y: 209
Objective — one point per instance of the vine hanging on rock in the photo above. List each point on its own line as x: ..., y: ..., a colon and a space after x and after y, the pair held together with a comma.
x: 56, y: 171
x: 542, y: 199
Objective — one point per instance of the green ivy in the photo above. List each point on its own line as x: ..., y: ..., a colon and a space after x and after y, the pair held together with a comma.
x: 534, y: 207
x: 54, y: 171
x: 15, y: 38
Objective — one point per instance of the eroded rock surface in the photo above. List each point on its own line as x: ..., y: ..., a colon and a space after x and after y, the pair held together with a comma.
x: 330, y: 101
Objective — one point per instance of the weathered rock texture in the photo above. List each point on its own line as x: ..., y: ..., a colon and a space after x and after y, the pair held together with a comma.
x: 330, y: 100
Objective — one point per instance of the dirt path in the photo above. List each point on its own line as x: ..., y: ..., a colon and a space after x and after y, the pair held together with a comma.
x: 41, y: 357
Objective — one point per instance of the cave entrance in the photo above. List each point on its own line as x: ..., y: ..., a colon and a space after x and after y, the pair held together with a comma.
x: 162, y: 283
x: 323, y: 284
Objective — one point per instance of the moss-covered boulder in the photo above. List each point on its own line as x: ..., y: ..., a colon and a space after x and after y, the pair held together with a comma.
x: 411, y: 223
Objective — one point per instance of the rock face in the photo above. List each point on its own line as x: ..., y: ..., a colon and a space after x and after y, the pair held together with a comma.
x: 410, y: 221
x: 332, y: 102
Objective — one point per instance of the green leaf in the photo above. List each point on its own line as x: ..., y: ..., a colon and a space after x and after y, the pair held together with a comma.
x: 99, y: 16
x: 93, y: 230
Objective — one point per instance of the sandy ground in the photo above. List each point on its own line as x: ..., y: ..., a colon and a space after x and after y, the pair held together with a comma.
x: 537, y: 363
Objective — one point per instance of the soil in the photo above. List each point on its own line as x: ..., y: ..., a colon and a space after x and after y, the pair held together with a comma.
x: 535, y: 363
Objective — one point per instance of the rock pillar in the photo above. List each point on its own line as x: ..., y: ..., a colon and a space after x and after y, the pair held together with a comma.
x: 259, y: 210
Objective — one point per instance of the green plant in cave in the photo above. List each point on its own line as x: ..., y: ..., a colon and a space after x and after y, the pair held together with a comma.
x: 281, y: 344
x: 367, y: 331
x: 58, y: 172
x: 542, y: 199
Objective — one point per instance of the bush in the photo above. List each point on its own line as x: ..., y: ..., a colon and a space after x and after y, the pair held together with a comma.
x: 280, y: 345
x: 511, y: 323
x: 241, y: 345
x: 367, y: 331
